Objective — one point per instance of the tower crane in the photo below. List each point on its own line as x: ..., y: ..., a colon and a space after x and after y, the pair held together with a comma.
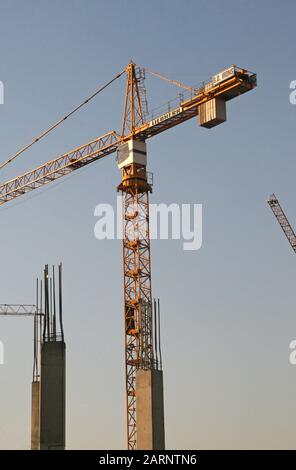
x: 282, y: 220
x: 23, y: 310
x: 28, y: 310
x: 208, y: 102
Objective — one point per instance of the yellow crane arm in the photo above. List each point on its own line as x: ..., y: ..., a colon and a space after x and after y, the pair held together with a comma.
x: 61, y: 166
x: 239, y: 82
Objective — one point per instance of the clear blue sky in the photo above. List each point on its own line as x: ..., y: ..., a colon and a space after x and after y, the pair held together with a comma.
x: 229, y: 308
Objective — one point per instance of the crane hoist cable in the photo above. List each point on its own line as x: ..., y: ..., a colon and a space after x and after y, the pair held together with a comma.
x: 60, y: 121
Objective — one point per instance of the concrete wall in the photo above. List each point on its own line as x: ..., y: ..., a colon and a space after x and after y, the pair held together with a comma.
x: 150, y: 410
x: 35, y: 417
x: 52, y: 398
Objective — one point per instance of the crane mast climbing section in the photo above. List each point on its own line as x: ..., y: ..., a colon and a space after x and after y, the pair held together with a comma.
x: 144, y: 380
x: 135, y: 190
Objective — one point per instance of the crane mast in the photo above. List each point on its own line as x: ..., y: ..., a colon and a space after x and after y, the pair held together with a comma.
x: 137, y: 284
x: 135, y: 189
x: 140, y: 322
x: 282, y: 220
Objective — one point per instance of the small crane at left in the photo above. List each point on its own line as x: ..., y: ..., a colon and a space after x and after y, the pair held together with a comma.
x: 48, y: 383
x: 32, y: 311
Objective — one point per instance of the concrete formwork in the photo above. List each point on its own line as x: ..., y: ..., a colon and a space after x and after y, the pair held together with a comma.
x: 52, y: 397
x: 150, y: 410
x: 35, y: 419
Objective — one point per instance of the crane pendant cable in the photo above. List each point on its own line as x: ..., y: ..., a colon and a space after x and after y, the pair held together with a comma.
x: 60, y: 121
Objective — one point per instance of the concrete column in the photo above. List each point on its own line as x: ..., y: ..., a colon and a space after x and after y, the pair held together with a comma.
x: 150, y: 410
x: 35, y: 417
x: 52, y: 398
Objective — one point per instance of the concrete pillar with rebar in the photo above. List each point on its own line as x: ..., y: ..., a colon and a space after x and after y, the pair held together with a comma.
x: 150, y: 410
x: 49, y: 386
x: 52, y: 409
x: 35, y: 418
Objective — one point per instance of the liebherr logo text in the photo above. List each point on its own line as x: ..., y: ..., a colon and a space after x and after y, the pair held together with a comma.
x: 164, y: 117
